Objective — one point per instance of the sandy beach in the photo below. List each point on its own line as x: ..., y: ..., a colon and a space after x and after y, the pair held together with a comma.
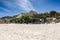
x: 30, y: 31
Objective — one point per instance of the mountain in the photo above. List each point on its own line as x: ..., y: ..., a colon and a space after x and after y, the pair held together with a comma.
x: 8, y: 17
x: 31, y: 13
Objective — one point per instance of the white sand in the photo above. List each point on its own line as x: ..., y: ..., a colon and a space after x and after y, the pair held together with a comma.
x: 30, y: 32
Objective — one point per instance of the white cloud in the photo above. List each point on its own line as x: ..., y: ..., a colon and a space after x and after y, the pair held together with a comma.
x: 18, y: 4
x: 9, y: 5
x: 25, y: 5
x: 6, y: 10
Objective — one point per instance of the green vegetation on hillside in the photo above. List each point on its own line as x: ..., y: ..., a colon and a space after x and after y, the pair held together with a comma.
x: 32, y: 16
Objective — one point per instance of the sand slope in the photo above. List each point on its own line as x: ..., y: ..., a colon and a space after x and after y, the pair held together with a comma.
x: 30, y: 32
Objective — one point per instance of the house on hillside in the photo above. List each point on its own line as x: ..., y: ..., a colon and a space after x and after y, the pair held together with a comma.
x: 5, y: 20
x: 51, y: 20
x: 37, y: 20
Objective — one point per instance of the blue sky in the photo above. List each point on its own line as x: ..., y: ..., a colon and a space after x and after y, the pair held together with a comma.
x: 13, y: 7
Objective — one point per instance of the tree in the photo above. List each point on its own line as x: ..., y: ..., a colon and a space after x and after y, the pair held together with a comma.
x: 22, y: 19
x: 27, y: 18
x: 53, y: 13
x: 46, y: 14
x: 17, y: 20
